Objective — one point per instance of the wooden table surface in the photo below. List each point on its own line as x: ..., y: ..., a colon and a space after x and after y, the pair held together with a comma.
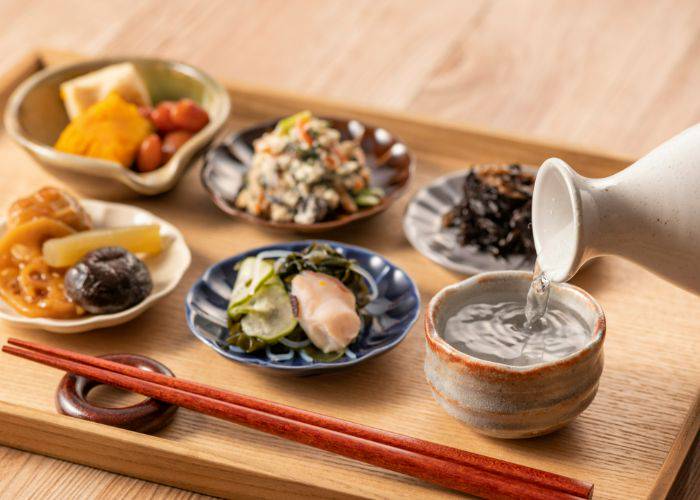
x: 617, y: 75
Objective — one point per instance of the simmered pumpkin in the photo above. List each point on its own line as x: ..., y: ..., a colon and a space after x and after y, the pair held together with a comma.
x: 113, y: 129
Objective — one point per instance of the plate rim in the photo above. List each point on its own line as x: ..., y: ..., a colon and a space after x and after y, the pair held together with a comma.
x: 439, y: 258
x: 316, y: 227
x: 316, y: 366
x: 97, y: 321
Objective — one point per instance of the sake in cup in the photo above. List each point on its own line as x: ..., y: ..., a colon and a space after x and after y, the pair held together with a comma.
x: 507, y: 401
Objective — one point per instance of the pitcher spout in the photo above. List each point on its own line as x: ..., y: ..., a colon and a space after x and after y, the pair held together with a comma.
x: 557, y: 220
x: 647, y: 213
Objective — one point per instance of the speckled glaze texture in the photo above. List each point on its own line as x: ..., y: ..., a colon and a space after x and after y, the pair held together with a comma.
x: 512, y: 402
x: 35, y: 116
x: 392, y: 314
x: 422, y: 224
x: 647, y: 213
x: 391, y: 168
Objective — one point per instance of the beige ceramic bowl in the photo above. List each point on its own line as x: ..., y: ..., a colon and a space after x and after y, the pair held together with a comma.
x: 35, y: 117
x: 512, y: 402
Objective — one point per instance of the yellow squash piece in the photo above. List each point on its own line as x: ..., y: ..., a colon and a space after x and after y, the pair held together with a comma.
x: 64, y: 252
x: 112, y: 129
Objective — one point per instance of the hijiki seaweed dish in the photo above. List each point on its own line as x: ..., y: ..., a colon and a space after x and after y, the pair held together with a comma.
x: 495, y: 211
x: 303, y: 172
x: 308, y: 303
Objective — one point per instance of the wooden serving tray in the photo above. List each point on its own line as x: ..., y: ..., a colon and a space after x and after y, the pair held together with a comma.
x: 631, y: 442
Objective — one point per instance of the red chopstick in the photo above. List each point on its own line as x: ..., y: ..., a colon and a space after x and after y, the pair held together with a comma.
x: 449, y: 467
x: 547, y: 479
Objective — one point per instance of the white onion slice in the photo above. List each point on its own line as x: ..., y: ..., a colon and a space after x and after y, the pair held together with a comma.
x: 235, y: 349
x: 305, y: 356
x: 278, y: 357
x: 278, y: 255
x: 373, y: 289
x: 273, y: 254
x: 350, y: 354
x: 295, y: 345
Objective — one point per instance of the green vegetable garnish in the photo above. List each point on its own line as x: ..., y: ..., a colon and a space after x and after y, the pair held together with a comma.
x: 241, y: 340
x: 252, y: 274
x: 285, y: 124
x: 369, y: 197
x: 270, y: 316
x: 324, y: 357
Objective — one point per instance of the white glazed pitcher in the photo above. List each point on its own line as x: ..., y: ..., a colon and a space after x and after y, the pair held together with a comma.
x: 648, y: 213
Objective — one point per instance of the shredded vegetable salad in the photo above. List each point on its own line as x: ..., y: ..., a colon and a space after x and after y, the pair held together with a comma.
x: 303, y: 172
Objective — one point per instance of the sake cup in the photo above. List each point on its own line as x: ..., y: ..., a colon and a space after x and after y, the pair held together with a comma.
x: 512, y: 401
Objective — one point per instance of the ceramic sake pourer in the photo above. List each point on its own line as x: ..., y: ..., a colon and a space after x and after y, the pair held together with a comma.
x: 35, y: 116
x: 512, y: 401
x: 647, y: 213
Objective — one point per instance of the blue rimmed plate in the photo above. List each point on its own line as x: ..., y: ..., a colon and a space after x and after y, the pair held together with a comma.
x: 392, y: 313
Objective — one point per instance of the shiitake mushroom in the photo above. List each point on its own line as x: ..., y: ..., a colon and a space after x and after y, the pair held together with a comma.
x: 108, y: 280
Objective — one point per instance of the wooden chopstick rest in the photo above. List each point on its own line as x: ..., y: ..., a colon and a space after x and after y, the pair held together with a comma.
x: 148, y: 416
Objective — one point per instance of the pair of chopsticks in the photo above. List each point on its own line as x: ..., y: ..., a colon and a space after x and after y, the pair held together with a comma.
x: 442, y: 465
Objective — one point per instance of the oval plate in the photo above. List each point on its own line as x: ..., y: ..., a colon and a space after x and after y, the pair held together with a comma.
x: 393, y: 313
x: 391, y: 168
x: 422, y: 224
x: 167, y: 268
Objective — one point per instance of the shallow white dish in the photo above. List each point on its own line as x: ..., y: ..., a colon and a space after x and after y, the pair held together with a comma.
x: 166, y: 269
x: 422, y: 225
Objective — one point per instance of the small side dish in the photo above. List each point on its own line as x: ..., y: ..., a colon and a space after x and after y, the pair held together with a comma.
x: 307, y: 302
x: 302, y: 171
x: 307, y: 174
x: 69, y: 266
x: 475, y: 221
x: 303, y: 307
x: 126, y: 125
x: 112, y: 118
x: 44, y: 271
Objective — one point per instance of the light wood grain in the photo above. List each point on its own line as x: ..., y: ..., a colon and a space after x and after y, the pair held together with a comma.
x: 619, y: 75
x: 621, y: 443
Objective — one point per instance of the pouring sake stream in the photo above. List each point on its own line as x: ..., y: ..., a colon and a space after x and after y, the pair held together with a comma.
x: 648, y: 213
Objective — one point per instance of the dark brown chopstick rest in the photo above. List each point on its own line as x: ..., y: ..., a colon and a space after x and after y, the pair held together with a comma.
x: 148, y: 416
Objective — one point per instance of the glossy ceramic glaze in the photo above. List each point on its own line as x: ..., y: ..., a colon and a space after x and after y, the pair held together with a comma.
x: 647, y: 213
x: 422, y: 224
x: 391, y: 168
x: 166, y: 269
x: 393, y: 313
x: 35, y: 117
x: 510, y: 401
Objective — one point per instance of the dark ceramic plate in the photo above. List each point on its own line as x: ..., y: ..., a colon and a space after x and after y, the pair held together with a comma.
x: 422, y: 224
x: 391, y: 167
x: 393, y: 312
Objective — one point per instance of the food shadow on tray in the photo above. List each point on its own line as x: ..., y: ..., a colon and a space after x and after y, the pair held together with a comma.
x: 475, y: 221
x: 386, y: 304
x: 307, y: 175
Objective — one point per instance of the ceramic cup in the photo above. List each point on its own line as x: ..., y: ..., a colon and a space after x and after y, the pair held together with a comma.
x: 512, y: 401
